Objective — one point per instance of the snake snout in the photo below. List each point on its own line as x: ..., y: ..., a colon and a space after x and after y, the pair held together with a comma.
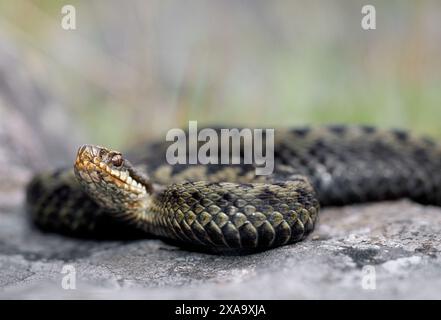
x: 90, y: 151
x: 93, y: 153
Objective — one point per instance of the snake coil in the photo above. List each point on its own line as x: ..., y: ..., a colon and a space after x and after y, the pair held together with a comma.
x: 228, y: 208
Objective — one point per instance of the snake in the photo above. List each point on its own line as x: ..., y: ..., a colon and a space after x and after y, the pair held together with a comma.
x: 228, y: 208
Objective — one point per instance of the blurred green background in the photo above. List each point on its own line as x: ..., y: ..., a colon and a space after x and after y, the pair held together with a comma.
x: 134, y: 69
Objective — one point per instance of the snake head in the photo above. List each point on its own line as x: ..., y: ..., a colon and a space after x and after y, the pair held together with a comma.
x: 110, y: 179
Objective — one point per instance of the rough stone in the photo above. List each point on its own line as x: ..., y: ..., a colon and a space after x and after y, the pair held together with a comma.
x: 398, y: 241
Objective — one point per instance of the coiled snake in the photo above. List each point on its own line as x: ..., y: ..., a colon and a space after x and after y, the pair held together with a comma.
x: 228, y: 208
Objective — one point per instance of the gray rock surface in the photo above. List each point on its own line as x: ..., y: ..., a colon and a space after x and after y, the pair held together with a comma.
x: 399, y: 242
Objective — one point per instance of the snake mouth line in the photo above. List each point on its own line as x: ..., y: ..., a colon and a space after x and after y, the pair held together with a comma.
x: 122, y: 179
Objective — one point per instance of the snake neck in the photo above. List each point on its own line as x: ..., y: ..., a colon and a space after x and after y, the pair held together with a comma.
x: 113, y: 182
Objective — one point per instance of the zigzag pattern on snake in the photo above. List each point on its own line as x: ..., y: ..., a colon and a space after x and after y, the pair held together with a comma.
x: 228, y: 208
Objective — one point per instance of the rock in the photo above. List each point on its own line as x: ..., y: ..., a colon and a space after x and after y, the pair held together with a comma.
x: 383, y: 250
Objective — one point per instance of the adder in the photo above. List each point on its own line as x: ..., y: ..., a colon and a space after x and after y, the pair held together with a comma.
x: 223, y: 208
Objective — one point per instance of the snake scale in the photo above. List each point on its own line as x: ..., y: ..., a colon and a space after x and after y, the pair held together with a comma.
x: 227, y: 208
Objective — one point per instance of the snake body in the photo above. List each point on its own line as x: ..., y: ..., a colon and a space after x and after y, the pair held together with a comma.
x: 228, y: 208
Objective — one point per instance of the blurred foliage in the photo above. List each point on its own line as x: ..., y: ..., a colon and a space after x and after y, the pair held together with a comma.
x: 135, y: 69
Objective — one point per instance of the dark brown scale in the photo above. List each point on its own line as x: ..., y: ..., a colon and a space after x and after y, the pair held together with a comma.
x: 231, y: 235
x: 248, y: 235
x: 368, y: 129
x: 400, y: 135
x: 339, y: 130
x: 301, y: 132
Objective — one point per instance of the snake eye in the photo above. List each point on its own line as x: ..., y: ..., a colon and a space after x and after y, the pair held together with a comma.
x: 117, y: 160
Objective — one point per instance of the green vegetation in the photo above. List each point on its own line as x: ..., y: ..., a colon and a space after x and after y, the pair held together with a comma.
x: 134, y: 71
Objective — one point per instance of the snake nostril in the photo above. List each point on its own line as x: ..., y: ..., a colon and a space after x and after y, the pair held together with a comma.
x: 102, y: 152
